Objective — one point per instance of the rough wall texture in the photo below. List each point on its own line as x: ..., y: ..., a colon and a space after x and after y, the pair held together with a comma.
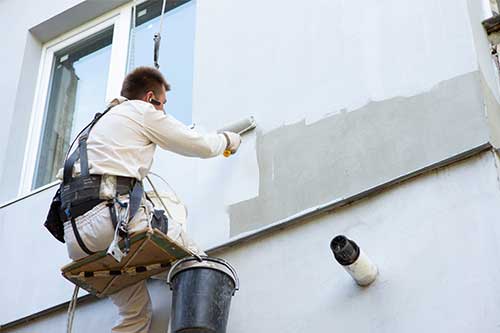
x: 304, y: 165
x: 434, y: 239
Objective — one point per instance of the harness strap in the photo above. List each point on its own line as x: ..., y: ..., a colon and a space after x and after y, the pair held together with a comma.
x: 69, y: 163
x: 68, y: 166
x: 135, y: 195
x: 135, y: 198
x: 112, y: 214
x: 81, y: 151
x: 84, y: 160
x: 78, y: 238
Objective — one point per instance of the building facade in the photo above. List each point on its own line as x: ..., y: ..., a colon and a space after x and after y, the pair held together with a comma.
x: 378, y: 120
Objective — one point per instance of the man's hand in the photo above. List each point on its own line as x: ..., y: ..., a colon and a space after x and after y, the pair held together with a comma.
x: 233, y: 141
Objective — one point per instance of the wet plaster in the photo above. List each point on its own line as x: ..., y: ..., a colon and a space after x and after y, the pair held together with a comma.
x: 301, y: 166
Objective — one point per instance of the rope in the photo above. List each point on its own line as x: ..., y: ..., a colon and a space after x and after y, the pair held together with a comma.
x: 132, y: 36
x: 161, y: 15
x: 157, y: 38
x: 71, y: 310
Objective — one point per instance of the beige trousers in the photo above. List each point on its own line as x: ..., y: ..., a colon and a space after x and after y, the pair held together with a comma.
x: 96, y: 230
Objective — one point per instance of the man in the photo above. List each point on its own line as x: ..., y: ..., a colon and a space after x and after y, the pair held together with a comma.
x: 121, y: 146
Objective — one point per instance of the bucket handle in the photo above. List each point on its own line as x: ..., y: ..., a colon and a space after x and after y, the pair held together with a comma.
x: 231, y: 268
x: 177, y: 263
x: 220, y: 261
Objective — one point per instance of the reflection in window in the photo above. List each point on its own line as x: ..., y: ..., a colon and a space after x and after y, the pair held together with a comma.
x: 176, y: 51
x: 77, y: 92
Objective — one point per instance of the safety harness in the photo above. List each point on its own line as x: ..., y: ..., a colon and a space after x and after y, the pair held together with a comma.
x: 82, y: 192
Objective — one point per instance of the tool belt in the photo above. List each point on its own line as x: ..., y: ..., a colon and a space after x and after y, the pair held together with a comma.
x: 83, y: 195
x: 80, y: 196
x: 80, y: 193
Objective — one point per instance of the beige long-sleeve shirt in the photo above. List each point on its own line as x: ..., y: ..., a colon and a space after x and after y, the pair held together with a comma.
x: 123, y: 141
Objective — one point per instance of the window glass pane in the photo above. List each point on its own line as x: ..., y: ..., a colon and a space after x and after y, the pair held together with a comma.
x: 77, y: 92
x: 176, y: 50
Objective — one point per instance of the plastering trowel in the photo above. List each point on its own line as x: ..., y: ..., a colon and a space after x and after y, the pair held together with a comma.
x: 241, y: 127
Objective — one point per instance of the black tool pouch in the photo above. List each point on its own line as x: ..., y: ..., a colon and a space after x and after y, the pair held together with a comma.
x: 160, y: 221
x: 54, y: 223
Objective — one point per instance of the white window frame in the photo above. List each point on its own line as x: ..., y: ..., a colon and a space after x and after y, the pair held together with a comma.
x: 121, y: 19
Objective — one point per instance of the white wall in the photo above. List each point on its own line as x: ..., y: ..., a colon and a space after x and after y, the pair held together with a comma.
x: 31, y: 281
x: 434, y: 239
x: 286, y: 61
x: 17, y: 63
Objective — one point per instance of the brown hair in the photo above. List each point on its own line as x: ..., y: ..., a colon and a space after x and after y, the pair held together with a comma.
x: 141, y: 80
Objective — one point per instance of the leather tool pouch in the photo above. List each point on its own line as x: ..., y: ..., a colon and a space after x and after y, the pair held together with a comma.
x: 53, y: 222
x: 160, y: 220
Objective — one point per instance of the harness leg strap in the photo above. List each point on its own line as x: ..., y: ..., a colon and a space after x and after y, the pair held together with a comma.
x: 112, y: 214
x: 78, y: 238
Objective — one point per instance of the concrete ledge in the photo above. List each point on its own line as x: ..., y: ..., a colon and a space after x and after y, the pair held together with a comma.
x: 72, y: 18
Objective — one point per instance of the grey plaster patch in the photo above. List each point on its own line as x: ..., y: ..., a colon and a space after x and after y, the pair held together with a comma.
x: 302, y: 166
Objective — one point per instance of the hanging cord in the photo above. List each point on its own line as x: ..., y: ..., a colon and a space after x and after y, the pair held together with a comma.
x: 157, y: 38
x: 169, y: 215
x: 71, y: 310
x: 177, y: 200
x: 132, y: 36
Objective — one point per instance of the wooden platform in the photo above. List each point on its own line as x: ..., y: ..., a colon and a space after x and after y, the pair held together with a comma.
x: 151, y: 252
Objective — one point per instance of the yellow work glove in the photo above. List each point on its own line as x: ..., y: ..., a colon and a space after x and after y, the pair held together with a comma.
x: 233, y: 143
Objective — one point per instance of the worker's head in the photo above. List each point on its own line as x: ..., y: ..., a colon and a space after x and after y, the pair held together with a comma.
x: 146, y: 84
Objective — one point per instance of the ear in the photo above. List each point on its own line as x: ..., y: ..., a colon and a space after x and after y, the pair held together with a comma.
x: 148, y: 96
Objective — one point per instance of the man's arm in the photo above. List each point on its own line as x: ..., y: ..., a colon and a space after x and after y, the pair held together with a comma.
x: 170, y: 134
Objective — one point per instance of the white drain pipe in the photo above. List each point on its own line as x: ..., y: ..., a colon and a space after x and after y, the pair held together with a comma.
x: 354, y: 260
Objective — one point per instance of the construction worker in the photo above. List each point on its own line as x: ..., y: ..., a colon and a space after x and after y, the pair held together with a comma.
x: 119, y: 150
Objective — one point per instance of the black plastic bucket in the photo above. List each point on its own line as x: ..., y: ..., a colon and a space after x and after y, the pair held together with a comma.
x: 202, y: 292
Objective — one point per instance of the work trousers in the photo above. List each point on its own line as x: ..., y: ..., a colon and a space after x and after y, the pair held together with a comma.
x: 97, y: 232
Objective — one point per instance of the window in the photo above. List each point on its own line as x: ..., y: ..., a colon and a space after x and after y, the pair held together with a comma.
x: 77, y: 91
x: 176, y: 50
x: 79, y: 71
x: 82, y: 69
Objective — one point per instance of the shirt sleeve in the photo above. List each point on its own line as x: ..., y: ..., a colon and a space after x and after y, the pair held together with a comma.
x: 170, y: 134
